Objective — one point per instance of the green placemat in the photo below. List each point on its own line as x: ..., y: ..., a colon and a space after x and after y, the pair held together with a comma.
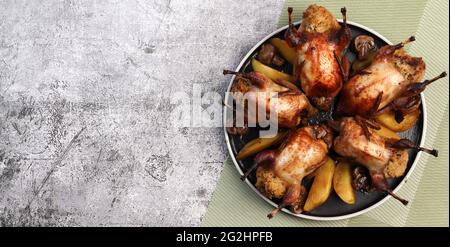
x: 235, y: 204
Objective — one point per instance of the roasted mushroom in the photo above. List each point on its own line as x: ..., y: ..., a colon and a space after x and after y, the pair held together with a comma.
x: 361, y: 179
x: 363, y: 44
x: 366, y: 50
x: 267, y: 55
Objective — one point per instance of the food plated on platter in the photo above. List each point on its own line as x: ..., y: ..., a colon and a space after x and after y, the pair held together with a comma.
x: 349, y: 113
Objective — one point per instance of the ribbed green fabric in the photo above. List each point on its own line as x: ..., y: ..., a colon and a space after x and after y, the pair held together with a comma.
x: 235, y: 204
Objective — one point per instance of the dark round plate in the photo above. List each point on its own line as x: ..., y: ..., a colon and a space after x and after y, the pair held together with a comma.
x: 334, y: 208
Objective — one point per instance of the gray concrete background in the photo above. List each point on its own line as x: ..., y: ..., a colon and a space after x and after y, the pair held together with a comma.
x: 85, y: 86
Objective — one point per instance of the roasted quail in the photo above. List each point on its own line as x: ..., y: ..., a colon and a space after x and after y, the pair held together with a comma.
x: 280, y: 172
x: 319, y: 43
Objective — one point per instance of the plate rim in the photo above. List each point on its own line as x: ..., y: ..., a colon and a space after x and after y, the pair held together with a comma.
x: 311, y: 217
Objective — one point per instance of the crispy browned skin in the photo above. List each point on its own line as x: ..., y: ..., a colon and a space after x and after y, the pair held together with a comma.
x: 304, y: 151
x: 290, y: 105
x: 320, y: 41
x: 390, y: 73
x: 301, y: 154
x: 375, y: 154
x: 280, y: 172
x: 382, y: 157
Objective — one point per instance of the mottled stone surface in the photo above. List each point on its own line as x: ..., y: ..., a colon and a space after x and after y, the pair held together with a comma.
x: 85, y: 133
